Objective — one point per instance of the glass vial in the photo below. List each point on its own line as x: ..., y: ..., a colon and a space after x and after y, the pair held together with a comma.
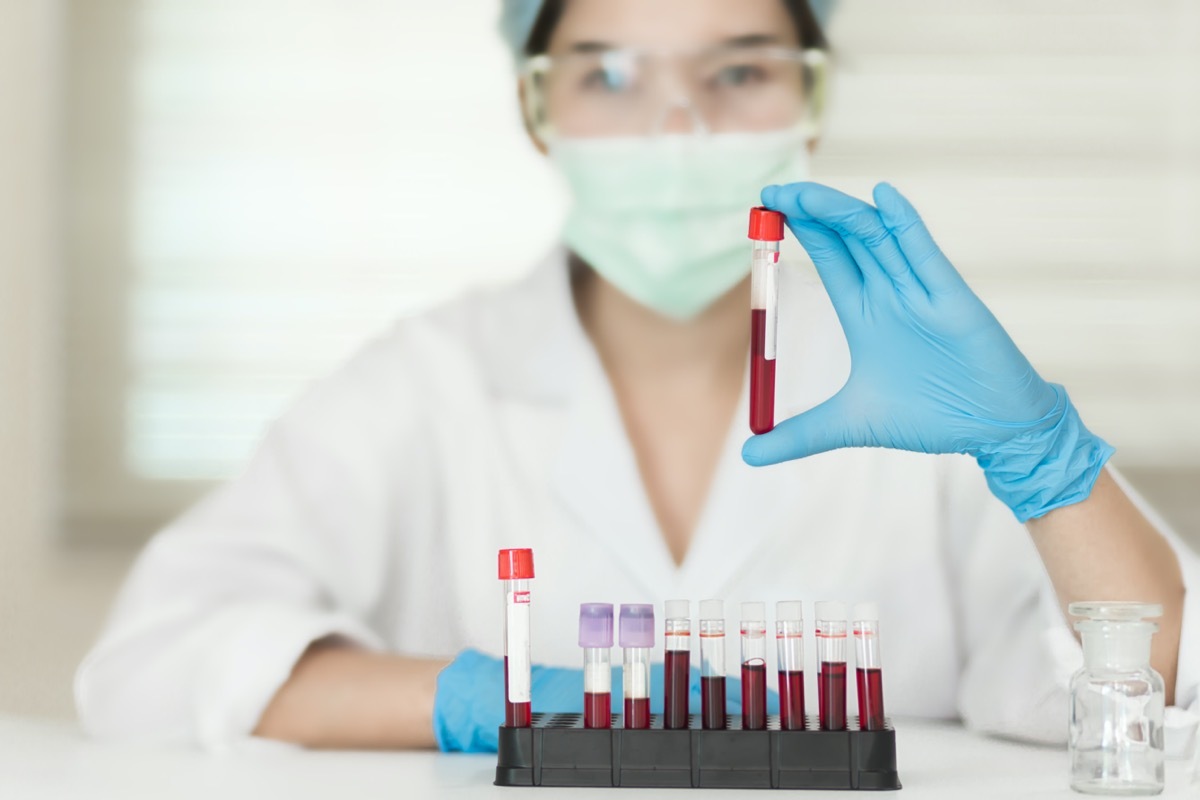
x: 1116, y: 705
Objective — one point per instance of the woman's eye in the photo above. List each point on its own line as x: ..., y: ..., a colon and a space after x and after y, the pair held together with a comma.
x: 738, y: 75
x: 606, y: 80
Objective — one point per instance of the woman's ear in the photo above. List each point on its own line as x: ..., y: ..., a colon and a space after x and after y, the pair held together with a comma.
x: 533, y: 137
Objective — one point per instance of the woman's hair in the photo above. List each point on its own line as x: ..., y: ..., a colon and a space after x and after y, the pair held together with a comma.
x: 808, y: 31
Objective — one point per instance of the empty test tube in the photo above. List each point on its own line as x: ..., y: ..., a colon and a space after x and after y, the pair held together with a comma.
x: 868, y: 666
x: 831, y: 673
x: 712, y: 664
x: 677, y: 626
x: 516, y: 570
x: 789, y: 641
x: 637, y: 639
x: 754, y: 666
x: 596, y: 639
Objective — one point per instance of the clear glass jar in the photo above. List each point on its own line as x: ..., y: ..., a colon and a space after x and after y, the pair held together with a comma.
x: 1116, y: 706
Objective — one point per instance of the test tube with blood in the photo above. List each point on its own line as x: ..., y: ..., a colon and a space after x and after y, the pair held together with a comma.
x: 766, y: 231
x: 754, y: 666
x: 596, y: 639
x: 677, y: 627
x: 789, y: 641
x: 868, y: 667
x: 637, y: 639
x: 831, y: 672
x: 712, y: 664
x: 516, y: 570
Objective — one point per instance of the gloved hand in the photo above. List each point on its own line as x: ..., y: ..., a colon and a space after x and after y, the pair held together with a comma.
x: 932, y: 371
x: 468, y: 708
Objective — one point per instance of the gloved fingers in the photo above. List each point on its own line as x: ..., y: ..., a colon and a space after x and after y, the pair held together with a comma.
x: 838, y: 270
x: 924, y: 256
x: 867, y: 238
x: 822, y: 428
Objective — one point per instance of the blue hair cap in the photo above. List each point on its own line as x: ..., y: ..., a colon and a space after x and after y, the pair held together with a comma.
x: 518, y: 16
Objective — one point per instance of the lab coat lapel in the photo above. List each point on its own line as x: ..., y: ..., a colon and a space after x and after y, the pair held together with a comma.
x: 596, y: 477
x: 740, y: 516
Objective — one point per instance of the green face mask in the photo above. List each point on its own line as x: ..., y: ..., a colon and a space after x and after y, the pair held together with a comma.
x: 664, y: 218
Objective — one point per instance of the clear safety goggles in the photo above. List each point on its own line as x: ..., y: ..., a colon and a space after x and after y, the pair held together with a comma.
x: 630, y: 92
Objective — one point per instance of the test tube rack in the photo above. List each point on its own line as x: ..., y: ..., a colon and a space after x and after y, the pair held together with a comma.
x: 558, y: 751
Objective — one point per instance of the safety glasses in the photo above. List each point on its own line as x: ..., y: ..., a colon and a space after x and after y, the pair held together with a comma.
x: 631, y: 92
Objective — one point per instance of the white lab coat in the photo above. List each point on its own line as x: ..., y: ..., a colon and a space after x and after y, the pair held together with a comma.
x: 375, y: 507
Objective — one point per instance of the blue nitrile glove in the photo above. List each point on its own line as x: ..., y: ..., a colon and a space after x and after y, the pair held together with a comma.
x: 931, y: 369
x: 468, y: 708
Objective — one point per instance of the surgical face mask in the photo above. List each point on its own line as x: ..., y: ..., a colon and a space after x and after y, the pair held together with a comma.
x: 664, y: 218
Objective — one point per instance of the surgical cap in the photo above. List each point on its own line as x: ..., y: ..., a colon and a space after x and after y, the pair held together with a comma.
x: 517, y: 18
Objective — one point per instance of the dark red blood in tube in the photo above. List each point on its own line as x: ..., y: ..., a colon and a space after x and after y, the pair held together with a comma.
x: 637, y: 712
x: 677, y: 675
x: 754, y: 697
x: 831, y: 691
x: 597, y: 710
x: 791, y: 700
x: 712, y: 702
x: 516, y: 715
x: 870, y: 699
x: 762, y: 375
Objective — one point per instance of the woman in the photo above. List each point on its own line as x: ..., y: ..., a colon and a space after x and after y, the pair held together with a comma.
x: 339, y: 594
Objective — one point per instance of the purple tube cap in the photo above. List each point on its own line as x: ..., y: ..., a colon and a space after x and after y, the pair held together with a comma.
x: 595, y: 624
x: 637, y: 625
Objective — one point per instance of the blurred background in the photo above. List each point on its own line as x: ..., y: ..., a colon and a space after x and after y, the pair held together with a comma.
x: 203, y: 206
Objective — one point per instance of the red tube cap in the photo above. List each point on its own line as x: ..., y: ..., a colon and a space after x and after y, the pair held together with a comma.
x: 766, y: 225
x: 516, y: 565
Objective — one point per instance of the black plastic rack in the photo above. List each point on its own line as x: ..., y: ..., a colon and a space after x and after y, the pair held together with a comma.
x: 558, y: 751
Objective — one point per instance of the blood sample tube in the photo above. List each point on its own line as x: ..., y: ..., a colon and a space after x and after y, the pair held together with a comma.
x: 516, y: 570
x: 789, y: 641
x: 766, y: 231
x: 712, y: 664
x: 596, y: 639
x: 637, y: 639
x: 831, y: 674
x: 754, y: 666
x: 869, y: 668
x: 677, y: 669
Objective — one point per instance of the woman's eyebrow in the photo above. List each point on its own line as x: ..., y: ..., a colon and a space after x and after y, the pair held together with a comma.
x: 591, y: 47
x: 751, y: 40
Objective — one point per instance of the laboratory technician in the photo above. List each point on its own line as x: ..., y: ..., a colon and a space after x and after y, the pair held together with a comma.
x: 342, y: 592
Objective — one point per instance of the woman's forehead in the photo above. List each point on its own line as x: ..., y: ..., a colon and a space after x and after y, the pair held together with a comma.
x: 669, y: 24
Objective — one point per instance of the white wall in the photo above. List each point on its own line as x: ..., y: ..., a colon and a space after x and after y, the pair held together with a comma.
x: 50, y: 601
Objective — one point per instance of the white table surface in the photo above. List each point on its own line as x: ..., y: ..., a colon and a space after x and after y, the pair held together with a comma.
x: 48, y: 759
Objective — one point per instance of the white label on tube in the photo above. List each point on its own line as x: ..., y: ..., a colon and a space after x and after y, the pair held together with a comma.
x: 772, y: 311
x: 517, y: 609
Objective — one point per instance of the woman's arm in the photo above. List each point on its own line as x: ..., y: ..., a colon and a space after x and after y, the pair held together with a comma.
x: 1103, y: 548
x: 343, y: 696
